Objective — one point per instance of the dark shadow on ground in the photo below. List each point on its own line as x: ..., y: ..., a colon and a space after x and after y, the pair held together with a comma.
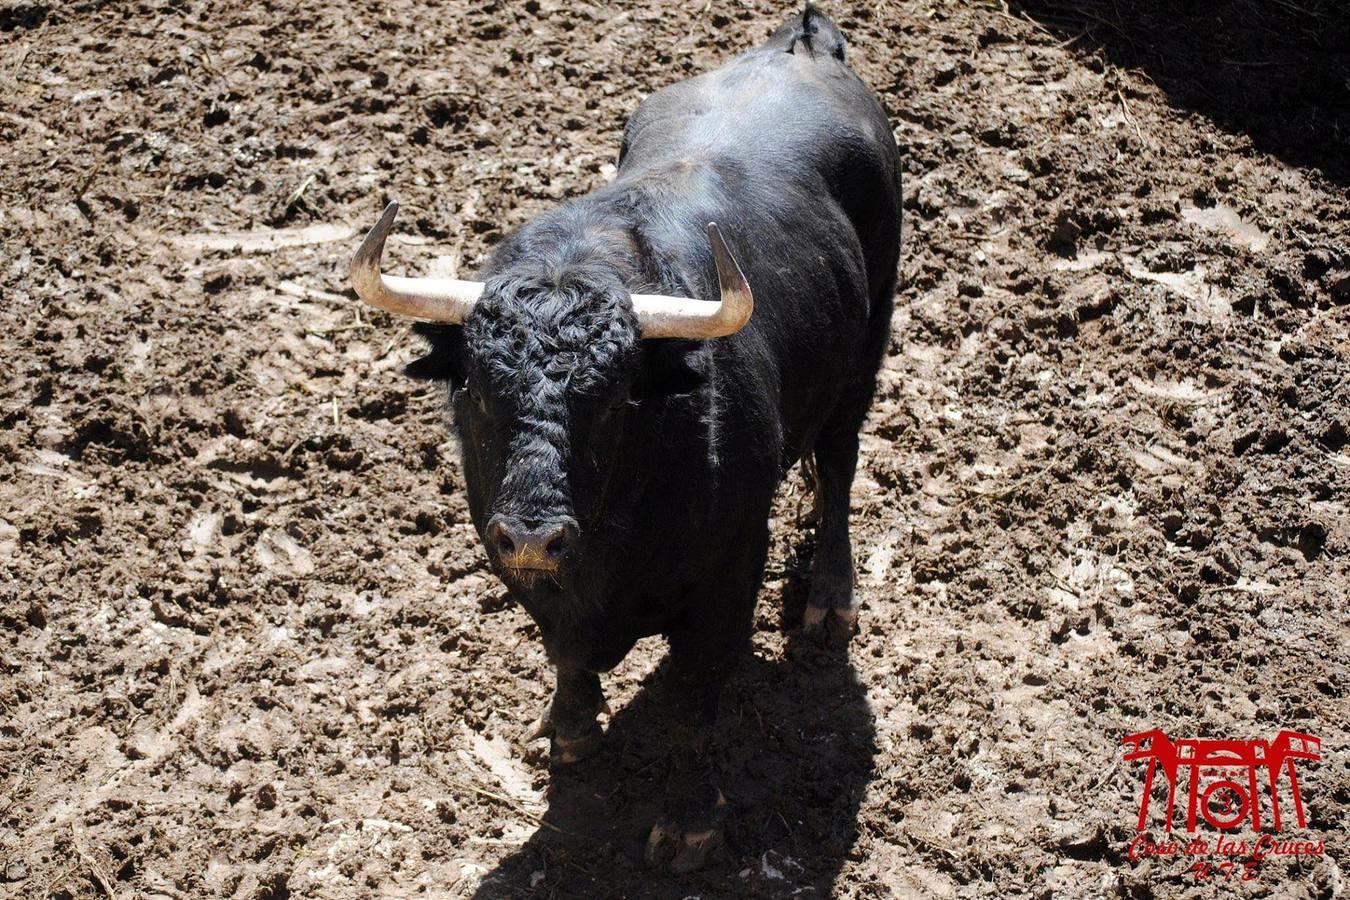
x: 1276, y: 70
x: 796, y: 746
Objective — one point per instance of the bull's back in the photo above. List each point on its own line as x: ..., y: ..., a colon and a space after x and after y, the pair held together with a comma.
x: 793, y: 156
x: 798, y: 117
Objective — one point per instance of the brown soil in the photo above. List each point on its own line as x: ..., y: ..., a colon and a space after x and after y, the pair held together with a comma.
x: 250, y: 646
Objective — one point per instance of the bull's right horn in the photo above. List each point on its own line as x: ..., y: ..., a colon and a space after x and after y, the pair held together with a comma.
x: 436, y: 299
x: 684, y: 317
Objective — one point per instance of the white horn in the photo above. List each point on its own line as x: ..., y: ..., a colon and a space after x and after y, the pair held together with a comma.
x: 682, y: 317
x: 437, y: 299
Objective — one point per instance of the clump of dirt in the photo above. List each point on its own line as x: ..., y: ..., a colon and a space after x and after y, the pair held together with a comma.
x: 251, y: 647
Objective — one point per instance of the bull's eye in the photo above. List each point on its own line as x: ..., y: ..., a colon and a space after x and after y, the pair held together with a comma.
x: 475, y: 398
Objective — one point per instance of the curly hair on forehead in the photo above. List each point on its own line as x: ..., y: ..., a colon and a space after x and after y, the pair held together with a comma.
x: 575, y: 326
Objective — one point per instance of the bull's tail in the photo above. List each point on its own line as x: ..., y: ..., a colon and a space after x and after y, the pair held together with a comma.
x: 810, y: 32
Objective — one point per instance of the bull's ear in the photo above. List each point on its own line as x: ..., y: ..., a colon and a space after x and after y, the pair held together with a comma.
x: 432, y: 367
x: 670, y: 368
x: 444, y: 359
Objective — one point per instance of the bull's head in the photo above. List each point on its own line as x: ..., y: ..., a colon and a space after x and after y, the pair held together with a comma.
x: 550, y: 371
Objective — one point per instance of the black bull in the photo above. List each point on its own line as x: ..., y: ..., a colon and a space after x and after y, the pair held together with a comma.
x: 640, y: 473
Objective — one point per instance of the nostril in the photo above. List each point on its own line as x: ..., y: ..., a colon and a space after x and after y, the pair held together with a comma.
x: 502, y: 539
x: 563, y: 540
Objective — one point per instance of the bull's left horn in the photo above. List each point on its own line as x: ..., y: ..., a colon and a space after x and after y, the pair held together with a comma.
x: 437, y: 299
x: 682, y: 317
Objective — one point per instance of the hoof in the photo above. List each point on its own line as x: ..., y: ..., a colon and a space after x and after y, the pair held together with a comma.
x: 566, y: 751
x: 681, y: 851
x: 544, y: 727
x: 836, y: 626
x: 541, y: 727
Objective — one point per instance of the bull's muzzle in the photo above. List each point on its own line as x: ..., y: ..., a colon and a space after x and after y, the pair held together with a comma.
x: 531, y: 546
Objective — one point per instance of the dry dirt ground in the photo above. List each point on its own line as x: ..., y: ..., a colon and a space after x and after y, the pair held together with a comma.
x: 249, y: 646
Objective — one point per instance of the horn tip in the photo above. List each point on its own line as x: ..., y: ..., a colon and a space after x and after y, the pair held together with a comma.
x: 715, y: 238
x: 386, y: 221
x: 366, y: 261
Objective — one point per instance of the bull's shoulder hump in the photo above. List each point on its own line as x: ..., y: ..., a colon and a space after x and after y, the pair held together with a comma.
x: 761, y: 93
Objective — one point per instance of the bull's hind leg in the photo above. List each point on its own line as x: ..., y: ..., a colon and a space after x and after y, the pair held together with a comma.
x: 830, y: 603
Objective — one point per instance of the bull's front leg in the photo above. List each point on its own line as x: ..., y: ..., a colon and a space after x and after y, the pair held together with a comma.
x: 570, y: 720
x: 691, y: 827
